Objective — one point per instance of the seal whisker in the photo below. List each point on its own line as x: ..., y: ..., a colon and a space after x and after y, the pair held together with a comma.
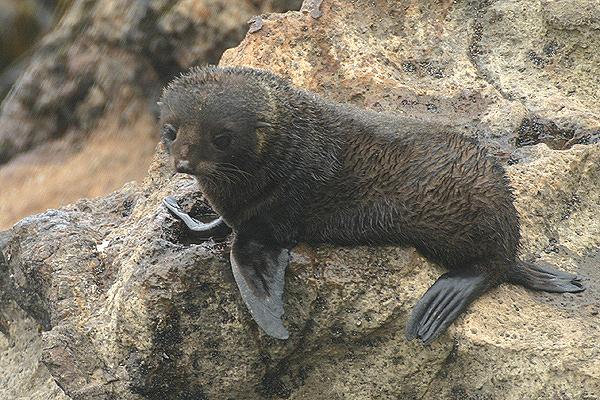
x: 237, y: 171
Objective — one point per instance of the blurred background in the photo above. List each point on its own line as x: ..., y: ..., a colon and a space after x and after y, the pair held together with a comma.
x: 79, y: 80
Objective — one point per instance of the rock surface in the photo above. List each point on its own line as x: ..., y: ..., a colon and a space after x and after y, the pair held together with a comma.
x: 21, y: 24
x: 130, y: 309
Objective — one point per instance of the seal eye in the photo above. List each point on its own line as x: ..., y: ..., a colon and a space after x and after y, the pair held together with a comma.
x: 169, y: 132
x: 222, y: 141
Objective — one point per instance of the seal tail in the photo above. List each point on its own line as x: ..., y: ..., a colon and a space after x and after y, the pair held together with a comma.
x: 541, y: 277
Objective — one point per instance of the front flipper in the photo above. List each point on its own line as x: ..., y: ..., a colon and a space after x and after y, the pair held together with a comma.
x: 445, y: 300
x: 216, y: 228
x: 259, y: 272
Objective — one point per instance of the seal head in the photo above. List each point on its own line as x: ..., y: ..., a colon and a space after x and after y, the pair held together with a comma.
x: 207, y: 130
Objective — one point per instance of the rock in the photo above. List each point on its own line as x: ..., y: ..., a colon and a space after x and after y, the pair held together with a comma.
x: 21, y: 24
x: 472, y: 67
x: 106, y: 50
x: 131, y: 309
x: 24, y: 376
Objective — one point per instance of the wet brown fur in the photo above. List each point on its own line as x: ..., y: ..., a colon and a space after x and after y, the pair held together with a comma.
x: 334, y: 173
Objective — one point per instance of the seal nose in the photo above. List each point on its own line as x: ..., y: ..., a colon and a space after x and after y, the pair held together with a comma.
x: 184, y: 166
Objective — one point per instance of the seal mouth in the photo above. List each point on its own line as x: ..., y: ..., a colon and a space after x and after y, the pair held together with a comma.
x: 199, y: 169
x: 184, y: 166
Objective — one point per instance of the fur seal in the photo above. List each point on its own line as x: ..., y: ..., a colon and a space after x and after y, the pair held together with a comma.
x: 281, y: 165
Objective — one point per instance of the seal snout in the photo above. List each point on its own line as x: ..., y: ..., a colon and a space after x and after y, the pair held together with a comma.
x: 184, y: 166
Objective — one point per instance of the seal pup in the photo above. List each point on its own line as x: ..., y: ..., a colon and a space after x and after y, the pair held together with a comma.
x: 281, y: 165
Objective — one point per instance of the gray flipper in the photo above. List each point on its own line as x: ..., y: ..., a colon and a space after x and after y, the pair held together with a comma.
x: 546, y: 278
x: 259, y: 272
x: 216, y: 228
x: 443, y: 302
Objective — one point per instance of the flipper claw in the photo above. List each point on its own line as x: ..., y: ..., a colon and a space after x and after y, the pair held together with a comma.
x: 215, y: 228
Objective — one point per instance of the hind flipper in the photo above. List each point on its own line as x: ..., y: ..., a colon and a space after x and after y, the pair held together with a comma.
x: 539, y: 277
x: 445, y: 300
x: 216, y: 228
x: 259, y: 272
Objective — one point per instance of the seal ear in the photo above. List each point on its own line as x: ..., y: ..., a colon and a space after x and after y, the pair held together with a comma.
x: 259, y: 272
